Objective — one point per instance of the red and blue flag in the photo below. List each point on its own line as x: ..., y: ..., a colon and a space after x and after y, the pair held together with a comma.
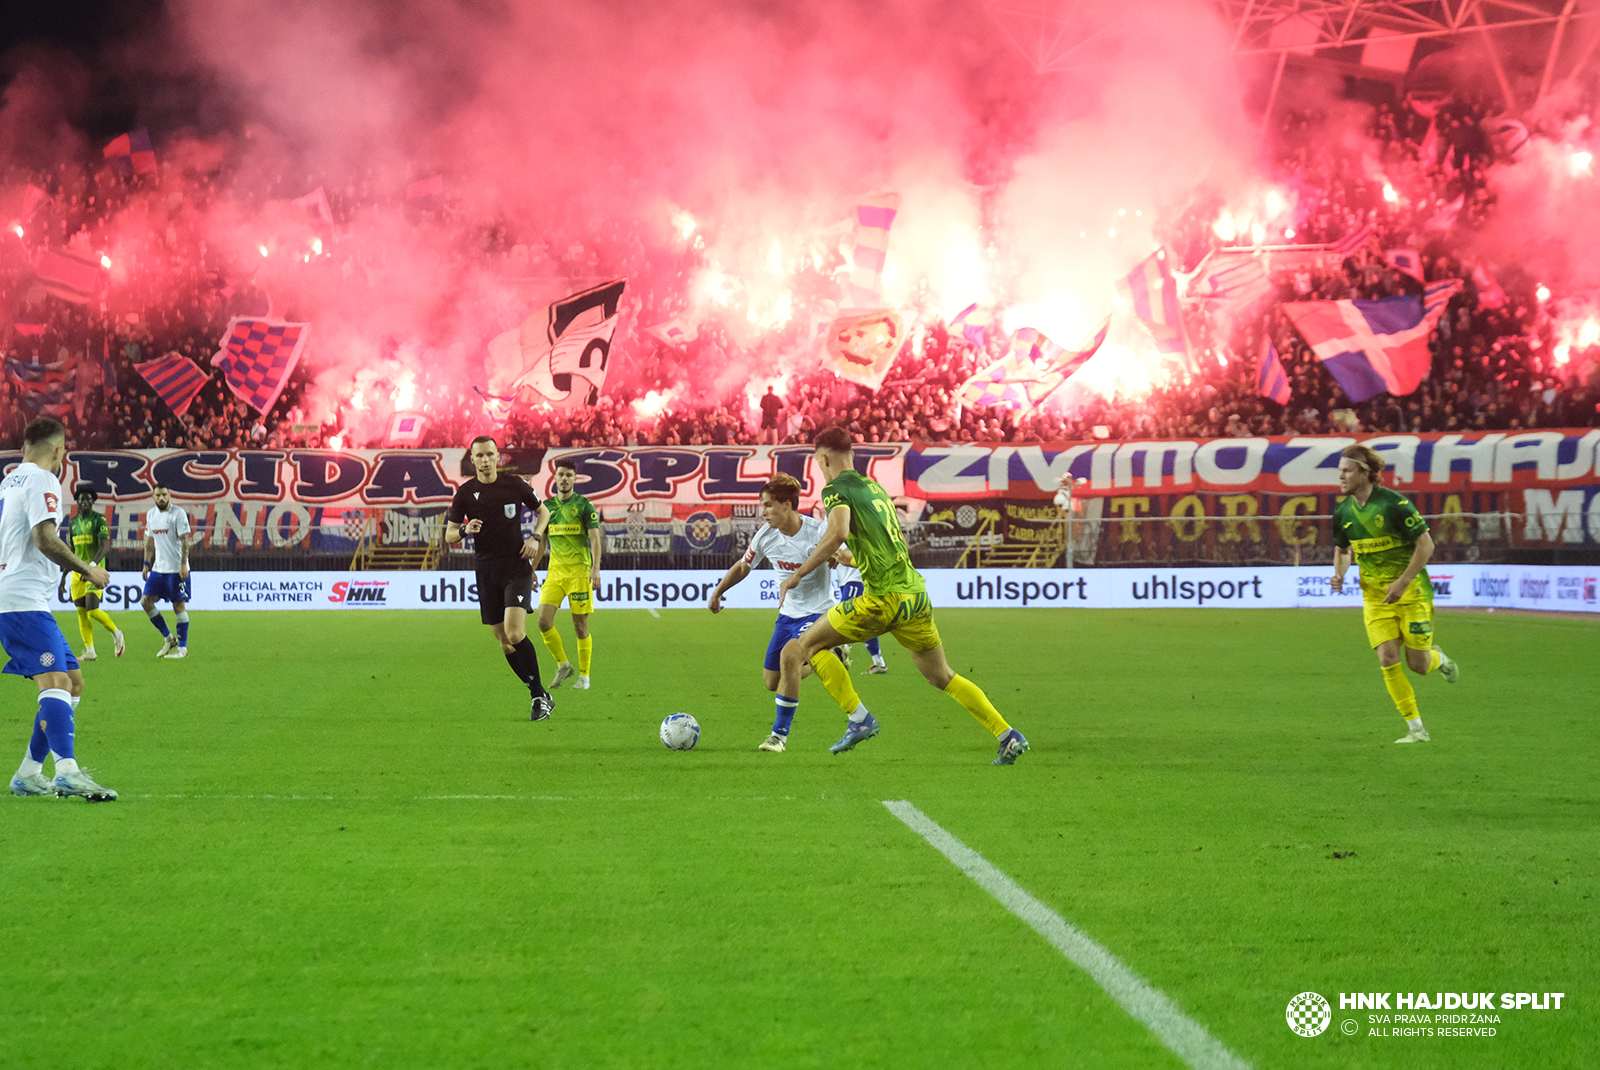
x: 1370, y: 347
x: 132, y: 152
x: 257, y: 357
x: 176, y: 378
x: 1271, y: 380
x: 46, y: 388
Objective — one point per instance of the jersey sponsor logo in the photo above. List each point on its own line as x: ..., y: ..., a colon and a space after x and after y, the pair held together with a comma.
x: 360, y: 593
x: 1372, y: 546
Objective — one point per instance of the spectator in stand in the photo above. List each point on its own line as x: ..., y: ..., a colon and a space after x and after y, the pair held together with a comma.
x: 771, y: 405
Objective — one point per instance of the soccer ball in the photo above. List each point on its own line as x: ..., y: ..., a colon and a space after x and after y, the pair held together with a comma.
x: 680, y: 732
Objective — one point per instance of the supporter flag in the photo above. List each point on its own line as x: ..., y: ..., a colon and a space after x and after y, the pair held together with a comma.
x: 176, y: 378
x: 1445, y: 217
x: 496, y: 409
x: 1031, y: 372
x: 131, y: 152
x: 1436, y: 296
x: 1355, y: 240
x: 18, y: 204
x: 1490, y: 295
x: 1153, y: 293
x: 1232, y: 281
x: 28, y: 330
x: 1373, y: 346
x: 974, y: 323
x: 674, y: 332
x: 46, y: 388
x: 561, y: 353
x: 426, y: 194
x: 1405, y: 260
x: 315, y: 206
x: 257, y: 357
x: 860, y: 346
x: 874, y: 217
x: 406, y: 428
x: 1271, y: 380
x: 69, y: 276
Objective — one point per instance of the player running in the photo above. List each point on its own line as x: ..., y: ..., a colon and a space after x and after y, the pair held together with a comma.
x: 489, y: 507
x: 166, y: 570
x: 90, y: 537
x: 573, y: 533
x: 30, y: 550
x: 862, y: 515
x: 847, y: 578
x: 1390, y: 543
x: 789, y: 539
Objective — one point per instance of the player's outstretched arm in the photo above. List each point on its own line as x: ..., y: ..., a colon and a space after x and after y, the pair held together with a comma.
x: 50, y: 544
x: 729, y: 580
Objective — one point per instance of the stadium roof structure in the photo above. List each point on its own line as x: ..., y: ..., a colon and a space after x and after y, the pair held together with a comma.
x: 1364, y: 38
x: 1378, y: 38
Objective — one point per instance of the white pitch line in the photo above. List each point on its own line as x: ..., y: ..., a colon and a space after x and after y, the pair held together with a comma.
x: 652, y: 612
x: 1187, y: 1038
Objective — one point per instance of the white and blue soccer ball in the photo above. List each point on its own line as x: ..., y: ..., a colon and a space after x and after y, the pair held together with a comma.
x: 680, y: 732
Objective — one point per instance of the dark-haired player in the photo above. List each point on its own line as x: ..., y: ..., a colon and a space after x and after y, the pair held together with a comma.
x: 489, y: 507
x: 30, y: 551
x: 90, y: 538
x: 862, y: 515
x: 1389, y: 540
x: 166, y: 570
x: 573, y: 534
x: 786, y: 541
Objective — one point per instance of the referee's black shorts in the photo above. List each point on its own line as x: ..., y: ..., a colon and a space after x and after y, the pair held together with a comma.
x: 503, y: 585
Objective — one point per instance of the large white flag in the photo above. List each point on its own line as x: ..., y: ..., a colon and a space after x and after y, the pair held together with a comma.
x: 560, y: 353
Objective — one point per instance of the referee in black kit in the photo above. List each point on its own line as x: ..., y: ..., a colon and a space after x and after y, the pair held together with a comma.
x: 489, y: 507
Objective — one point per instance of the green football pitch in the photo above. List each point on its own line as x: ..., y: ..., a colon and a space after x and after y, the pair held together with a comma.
x: 340, y: 842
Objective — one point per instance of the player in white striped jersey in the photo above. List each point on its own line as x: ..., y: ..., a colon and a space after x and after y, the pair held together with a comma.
x: 31, y: 556
x: 786, y: 541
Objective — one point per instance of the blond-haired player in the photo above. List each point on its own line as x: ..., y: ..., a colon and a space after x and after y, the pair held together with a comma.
x: 1389, y: 541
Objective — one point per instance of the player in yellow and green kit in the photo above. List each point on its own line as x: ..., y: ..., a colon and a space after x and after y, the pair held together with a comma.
x: 90, y: 538
x: 1389, y: 540
x: 862, y: 515
x: 574, y: 538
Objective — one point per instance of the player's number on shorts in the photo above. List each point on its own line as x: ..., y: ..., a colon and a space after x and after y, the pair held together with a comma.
x: 890, y: 521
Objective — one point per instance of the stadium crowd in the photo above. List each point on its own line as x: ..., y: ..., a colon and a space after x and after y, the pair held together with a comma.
x: 1494, y: 364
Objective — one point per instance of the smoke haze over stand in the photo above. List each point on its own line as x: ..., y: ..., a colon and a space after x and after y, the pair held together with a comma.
x: 558, y: 128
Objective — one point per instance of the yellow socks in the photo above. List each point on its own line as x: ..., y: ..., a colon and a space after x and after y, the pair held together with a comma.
x: 836, y: 678
x: 977, y: 703
x: 102, y: 618
x: 85, y: 628
x: 585, y: 654
x: 1434, y: 659
x: 552, y: 643
x: 1405, y: 699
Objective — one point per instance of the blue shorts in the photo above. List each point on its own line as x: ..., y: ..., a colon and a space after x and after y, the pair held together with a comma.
x: 166, y: 587
x: 851, y: 589
x: 35, y: 644
x: 783, y: 631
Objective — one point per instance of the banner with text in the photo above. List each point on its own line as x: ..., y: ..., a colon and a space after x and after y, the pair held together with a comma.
x: 1501, y: 586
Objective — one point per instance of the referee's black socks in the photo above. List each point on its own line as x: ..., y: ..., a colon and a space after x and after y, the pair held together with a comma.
x: 524, y: 661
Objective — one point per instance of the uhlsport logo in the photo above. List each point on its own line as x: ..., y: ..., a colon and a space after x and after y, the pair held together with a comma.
x: 1309, y: 1014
